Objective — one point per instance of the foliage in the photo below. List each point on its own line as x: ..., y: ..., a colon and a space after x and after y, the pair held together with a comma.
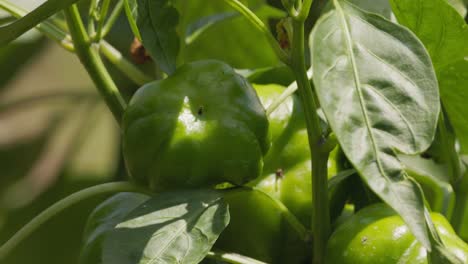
x: 292, y: 131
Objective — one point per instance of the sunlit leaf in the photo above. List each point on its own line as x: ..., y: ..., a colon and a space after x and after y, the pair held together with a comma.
x: 442, y: 30
x: 103, y: 219
x: 376, y: 85
x: 445, y: 34
x: 176, y: 227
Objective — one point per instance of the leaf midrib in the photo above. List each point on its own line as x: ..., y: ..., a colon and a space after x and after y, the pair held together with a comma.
x: 179, y: 230
x: 361, y: 101
x: 357, y: 83
x: 349, y: 43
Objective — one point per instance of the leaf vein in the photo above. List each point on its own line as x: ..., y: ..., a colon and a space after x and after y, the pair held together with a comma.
x: 349, y: 44
x: 403, y: 117
x: 178, y: 232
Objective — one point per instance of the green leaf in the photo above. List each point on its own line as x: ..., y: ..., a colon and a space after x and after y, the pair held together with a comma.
x: 103, y: 219
x: 198, y: 27
x: 454, y: 82
x: 377, y: 88
x: 174, y: 227
x: 444, y: 32
x: 234, y: 41
x: 434, y: 181
x: 14, y: 30
x: 157, y: 21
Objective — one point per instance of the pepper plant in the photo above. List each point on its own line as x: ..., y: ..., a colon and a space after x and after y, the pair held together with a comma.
x: 348, y: 144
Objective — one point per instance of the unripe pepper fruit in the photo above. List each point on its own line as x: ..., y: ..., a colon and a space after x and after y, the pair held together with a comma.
x: 377, y: 235
x: 203, y: 125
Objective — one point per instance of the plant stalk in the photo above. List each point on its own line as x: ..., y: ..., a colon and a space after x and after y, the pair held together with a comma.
x: 101, y: 18
x: 45, y: 27
x: 457, y: 179
x: 61, y: 205
x: 89, y: 57
x: 116, y: 58
x: 52, y: 30
x: 449, y: 151
x: 305, y: 8
x: 461, y: 197
x: 320, y: 212
x: 114, y: 15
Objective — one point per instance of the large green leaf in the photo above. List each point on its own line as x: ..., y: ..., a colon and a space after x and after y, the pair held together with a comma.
x: 176, y: 227
x: 445, y: 34
x: 438, y: 26
x: 233, y: 40
x: 156, y: 22
x: 198, y: 27
x: 10, y: 32
x: 376, y: 86
x: 453, y: 81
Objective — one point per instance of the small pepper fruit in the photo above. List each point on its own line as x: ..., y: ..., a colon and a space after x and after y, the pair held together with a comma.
x: 287, y: 165
x: 377, y: 235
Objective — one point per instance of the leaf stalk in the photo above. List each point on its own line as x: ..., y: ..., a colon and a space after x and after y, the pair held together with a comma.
x: 34, y: 224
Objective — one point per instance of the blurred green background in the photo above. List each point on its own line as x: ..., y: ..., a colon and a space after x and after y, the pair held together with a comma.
x: 57, y: 136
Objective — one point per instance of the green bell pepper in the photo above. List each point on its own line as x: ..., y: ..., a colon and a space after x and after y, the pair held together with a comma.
x: 377, y: 235
x: 202, y: 126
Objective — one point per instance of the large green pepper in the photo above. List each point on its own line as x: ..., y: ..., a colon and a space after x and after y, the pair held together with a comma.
x: 202, y: 126
x: 377, y: 235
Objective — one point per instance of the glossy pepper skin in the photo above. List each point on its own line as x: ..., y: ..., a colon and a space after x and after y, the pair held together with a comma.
x: 258, y: 229
x: 377, y: 235
x: 203, y: 125
x: 287, y: 170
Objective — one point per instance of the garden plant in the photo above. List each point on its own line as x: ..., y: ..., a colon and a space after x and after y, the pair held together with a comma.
x: 292, y: 131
